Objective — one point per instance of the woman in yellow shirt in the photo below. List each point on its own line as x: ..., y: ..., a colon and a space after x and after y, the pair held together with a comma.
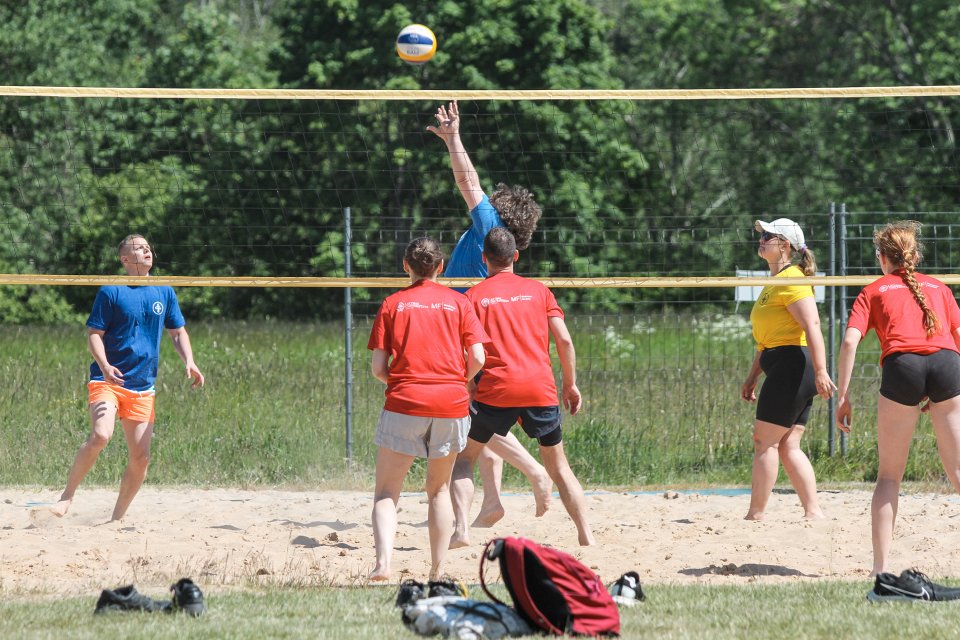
x: 790, y: 352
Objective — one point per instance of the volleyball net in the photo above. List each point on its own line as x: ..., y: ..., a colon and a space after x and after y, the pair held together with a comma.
x: 649, y: 199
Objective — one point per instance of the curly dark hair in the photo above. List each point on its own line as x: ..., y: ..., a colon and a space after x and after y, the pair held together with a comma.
x: 518, y: 210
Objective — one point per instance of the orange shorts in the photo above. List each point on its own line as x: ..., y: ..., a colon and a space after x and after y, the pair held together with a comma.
x: 135, y: 405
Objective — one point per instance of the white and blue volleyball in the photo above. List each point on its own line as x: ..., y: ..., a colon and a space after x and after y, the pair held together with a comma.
x: 416, y: 44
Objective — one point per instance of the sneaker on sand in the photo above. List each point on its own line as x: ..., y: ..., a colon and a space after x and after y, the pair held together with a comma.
x: 910, y: 585
x: 627, y: 590
x: 127, y: 599
x: 187, y: 597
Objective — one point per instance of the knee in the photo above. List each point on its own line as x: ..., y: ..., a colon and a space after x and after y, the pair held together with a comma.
x: 140, y: 459
x: 97, y: 441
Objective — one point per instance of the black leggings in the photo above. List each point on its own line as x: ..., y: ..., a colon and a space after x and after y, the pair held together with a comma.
x: 787, y: 394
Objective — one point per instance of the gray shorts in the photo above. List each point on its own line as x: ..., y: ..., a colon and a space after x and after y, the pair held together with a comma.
x: 421, y: 437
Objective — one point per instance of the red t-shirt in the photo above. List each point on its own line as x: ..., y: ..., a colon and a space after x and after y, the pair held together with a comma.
x: 888, y: 307
x: 514, y: 311
x: 425, y: 329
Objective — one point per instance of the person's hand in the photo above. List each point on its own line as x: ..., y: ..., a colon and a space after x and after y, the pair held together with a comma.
x: 471, y: 389
x: 112, y: 375
x: 448, y: 122
x: 844, y: 413
x: 747, y: 390
x: 193, y: 372
x: 572, y: 399
x: 825, y: 386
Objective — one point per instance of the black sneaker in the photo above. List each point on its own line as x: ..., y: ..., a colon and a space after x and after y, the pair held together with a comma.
x: 127, y: 599
x: 910, y: 585
x: 187, y: 597
x: 446, y: 586
x: 410, y: 591
x: 627, y: 590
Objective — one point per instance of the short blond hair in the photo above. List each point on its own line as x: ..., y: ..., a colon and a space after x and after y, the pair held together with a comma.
x: 128, y: 240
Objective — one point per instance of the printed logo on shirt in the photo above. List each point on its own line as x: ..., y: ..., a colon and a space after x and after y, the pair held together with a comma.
x: 417, y: 305
x: 764, y: 299
x: 890, y: 287
x: 158, y: 308
x: 486, y: 302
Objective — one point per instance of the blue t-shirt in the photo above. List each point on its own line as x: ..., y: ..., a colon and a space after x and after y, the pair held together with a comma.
x: 133, y: 319
x: 466, y: 261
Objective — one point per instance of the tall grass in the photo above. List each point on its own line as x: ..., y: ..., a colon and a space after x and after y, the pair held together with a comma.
x: 661, y: 407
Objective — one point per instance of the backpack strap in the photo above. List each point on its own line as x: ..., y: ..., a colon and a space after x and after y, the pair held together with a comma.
x: 491, y: 554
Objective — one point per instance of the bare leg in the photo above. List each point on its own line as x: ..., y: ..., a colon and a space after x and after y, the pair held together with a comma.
x: 103, y: 417
x: 895, y: 426
x: 462, y: 492
x: 139, y: 436
x: 766, y: 465
x: 392, y: 468
x: 571, y: 493
x: 800, y: 471
x: 439, y: 510
x: 491, y: 475
x: 515, y: 454
x: 946, y: 424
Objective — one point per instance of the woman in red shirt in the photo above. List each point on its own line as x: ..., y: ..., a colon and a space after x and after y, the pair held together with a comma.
x: 418, y: 341
x: 918, y: 323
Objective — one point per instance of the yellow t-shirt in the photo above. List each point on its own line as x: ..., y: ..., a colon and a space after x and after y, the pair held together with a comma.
x: 773, y: 326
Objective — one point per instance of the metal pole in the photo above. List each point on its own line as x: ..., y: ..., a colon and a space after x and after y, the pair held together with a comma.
x: 843, y: 295
x: 832, y: 333
x: 348, y: 339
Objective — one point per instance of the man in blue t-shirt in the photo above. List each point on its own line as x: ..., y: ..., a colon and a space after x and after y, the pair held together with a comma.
x: 123, y: 334
x: 512, y: 207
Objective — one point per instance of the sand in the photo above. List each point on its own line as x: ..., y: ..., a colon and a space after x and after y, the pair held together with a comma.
x: 230, y: 538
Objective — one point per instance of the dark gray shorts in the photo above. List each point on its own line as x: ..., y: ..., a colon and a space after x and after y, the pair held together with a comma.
x: 908, y: 378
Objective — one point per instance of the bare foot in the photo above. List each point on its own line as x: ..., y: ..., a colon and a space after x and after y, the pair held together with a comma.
x: 60, y: 509
x: 459, y: 540
x: 489, y: 516
x: 586, y: 539
x: 814, y: 515
x: 379, y: 575
x: 542, y: 492
x: 758, y: 516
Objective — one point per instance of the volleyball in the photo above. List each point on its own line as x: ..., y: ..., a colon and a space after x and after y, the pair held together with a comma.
x: 416, y: 44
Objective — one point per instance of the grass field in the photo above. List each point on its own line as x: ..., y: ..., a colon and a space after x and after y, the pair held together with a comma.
x: 661, y: 408
x: 820, y: 610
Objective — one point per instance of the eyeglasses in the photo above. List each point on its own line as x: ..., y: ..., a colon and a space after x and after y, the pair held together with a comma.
x: 766, y: 236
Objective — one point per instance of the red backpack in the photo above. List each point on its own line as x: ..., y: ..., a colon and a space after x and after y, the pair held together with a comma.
x: 551, y: 589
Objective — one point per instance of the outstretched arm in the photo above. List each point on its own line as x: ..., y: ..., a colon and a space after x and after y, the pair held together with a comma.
x: 572, y: 399
x: 181, y: 343
x: 448, y: 130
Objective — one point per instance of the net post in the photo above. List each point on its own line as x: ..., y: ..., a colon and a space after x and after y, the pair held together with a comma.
x: 348, y: 341
x: 843, y: 295
x: 832, y: 334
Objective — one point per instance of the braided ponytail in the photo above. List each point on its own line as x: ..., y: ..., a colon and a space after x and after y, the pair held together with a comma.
x: 898, y: 243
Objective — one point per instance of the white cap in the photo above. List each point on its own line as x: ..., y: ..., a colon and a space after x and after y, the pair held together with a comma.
x: 786, y: 228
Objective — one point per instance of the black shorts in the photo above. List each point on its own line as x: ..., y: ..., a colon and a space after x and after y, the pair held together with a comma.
x: 787, y: 393
x: 540, y: 423
x: 908, y: 378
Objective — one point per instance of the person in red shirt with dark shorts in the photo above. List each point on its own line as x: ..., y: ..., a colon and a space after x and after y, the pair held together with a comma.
x: 918, y: 324
x: 517, y: 382
x: 418, y: 341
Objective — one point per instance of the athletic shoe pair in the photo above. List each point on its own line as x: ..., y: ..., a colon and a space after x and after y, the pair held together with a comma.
x: 910, y: 585
x: 411, y: 590
x: 187, y: 597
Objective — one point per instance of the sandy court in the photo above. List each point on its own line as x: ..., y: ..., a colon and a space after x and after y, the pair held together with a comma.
x: 229, y: 538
